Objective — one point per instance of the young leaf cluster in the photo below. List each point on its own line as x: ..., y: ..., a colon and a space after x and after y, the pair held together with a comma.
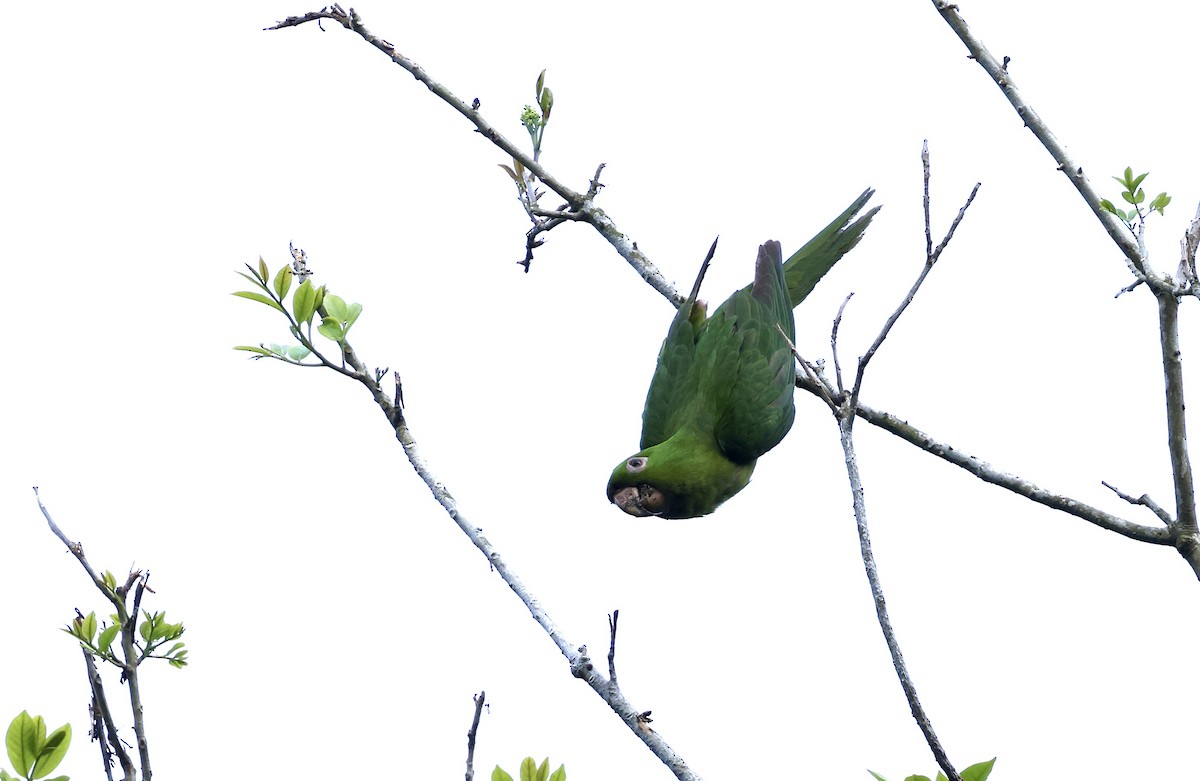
x: 32, y: 752
x: 1135, y: 196
x: 534, y: 120
x: 308, y: 302
x: 977, y: 772
x: 154, y: 631
x: 532, y: 771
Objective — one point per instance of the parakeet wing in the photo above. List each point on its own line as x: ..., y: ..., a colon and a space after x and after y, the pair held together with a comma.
x: 753, y: 368
x: 673, y: 385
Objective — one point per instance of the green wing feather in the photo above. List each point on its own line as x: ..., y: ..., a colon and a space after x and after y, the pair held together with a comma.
x: 673, y: 385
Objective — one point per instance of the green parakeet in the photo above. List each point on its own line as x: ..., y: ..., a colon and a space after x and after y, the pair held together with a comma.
x: 721, y: 395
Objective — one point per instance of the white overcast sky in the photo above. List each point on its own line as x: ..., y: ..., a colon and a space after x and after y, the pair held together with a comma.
x: 338, y: 622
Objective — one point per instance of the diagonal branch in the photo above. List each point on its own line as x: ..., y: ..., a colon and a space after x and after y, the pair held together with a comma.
x: 581, y: 204
x: 581, y: 665
x: 1115, y: 229
x: 988, y: 473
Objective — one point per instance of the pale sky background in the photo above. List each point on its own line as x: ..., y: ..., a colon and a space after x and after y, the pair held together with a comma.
x: 339, y: 623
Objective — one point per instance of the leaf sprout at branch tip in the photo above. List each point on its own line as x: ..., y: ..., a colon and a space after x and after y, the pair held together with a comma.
x: 1135, y: 196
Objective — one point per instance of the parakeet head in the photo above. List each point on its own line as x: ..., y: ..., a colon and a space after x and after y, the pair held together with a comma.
x: 675, y: 480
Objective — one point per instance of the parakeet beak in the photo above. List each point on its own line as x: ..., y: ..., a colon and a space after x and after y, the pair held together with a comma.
x: 641, y: 501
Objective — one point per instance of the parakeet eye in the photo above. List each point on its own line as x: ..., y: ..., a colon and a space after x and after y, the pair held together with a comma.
x: 636, y: 464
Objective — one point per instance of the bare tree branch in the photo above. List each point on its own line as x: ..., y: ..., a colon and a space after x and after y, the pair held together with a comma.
x: 845, y: 430
x: 1187, y: 538
x: 1167, y: 290
x: 480, y: 699
x: 999, y: 72
x: 580, y: 664
x: 931, y: 257
x: 581, y: 204
x: 612, y: 649
x: 988, y: 473
x: 1143, y: 500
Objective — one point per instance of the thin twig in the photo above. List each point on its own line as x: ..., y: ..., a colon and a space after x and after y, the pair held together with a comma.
x: 833, y: 343
x: 612, y: 649
x: 925, y: 200
x: 1144, y: 500
x: 479, y: 701
x: 931, y: 258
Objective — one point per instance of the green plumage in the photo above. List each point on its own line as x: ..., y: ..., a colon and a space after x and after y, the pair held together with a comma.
x: 721, y: 395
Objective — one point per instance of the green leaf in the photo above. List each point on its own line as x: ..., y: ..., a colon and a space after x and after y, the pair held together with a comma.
x: 260, y: 298
x: 979, y: 771
x: 1128, y: 196
x: 253, y: 280
x: 304, y: 303
x: 1106, y: 206
x: 1128, y: 177
x: 53, y: 751
x: 249, y: 349
x: 540, y: 82
x: 528, y: 769
x: 877, y: 776
x: 4, y: 776
x: 354, y: 310
x: 560, y: 774
x: 500, y: 775
x: 1160, y: 202
x: 942, y: 776
x: 107, y: 637
x: 88, y: 630
x: 1139, y: 196
x: 21, y: 742
x: 262, y: 270
x: 917, y: 778
x: 283, y: 282
x: 1137, y: 181
x: 110, y: 580
x: 320, y: 300
x: 336, y: 307
x: 331, y: 329
x: 144, y: 630
x: 547, y: 104
x: 298, y: 353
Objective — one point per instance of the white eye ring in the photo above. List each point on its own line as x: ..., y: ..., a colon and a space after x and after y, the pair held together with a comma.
x: 636, y: 464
